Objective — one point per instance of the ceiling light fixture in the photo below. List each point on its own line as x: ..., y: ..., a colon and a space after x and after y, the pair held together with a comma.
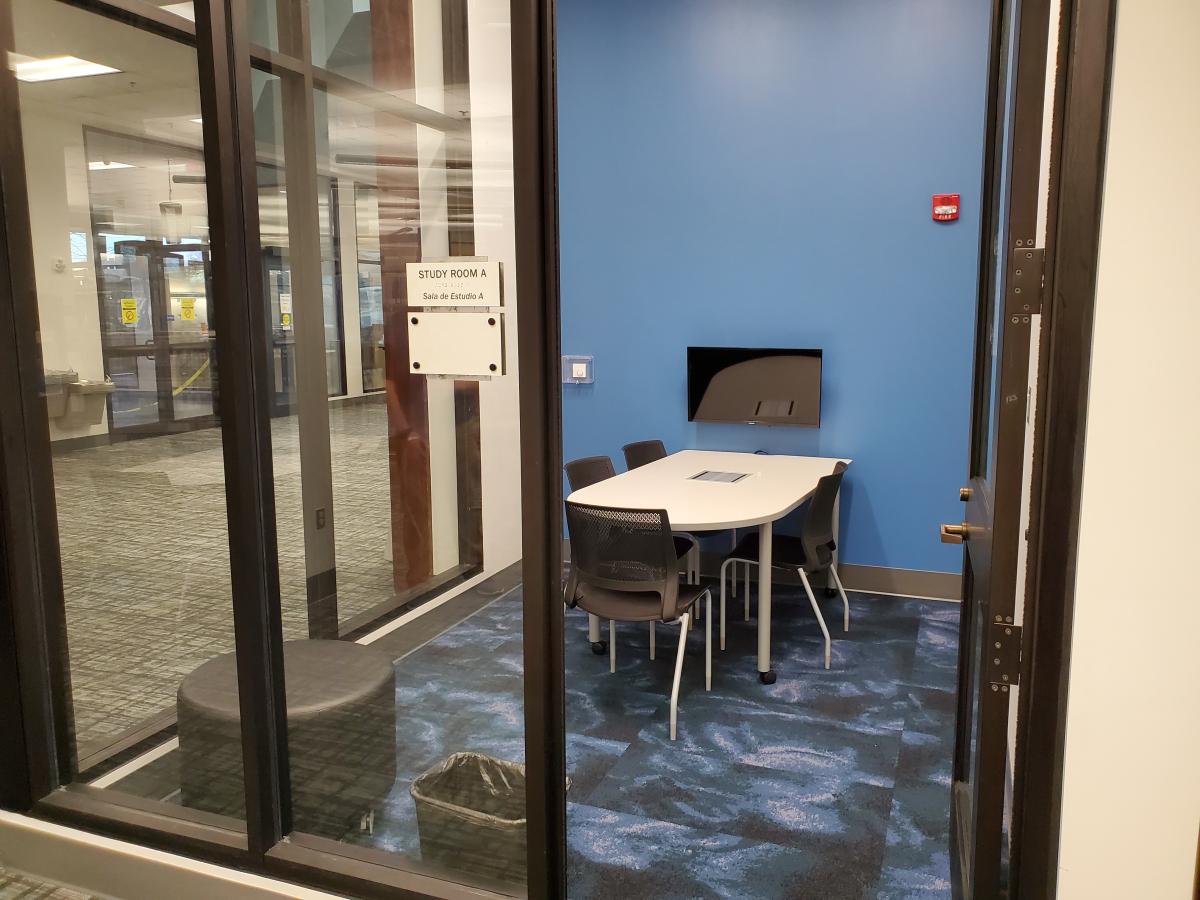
x: 183, y: 10
x: 105, y: 166
x: 56, y: 68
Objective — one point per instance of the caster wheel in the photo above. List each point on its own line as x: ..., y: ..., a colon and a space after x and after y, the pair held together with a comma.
x: 767, y: 677
x: 830, y: 592
x: 599, y: 647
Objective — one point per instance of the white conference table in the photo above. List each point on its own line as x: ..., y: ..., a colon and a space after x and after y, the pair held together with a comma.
x: 773, y: 486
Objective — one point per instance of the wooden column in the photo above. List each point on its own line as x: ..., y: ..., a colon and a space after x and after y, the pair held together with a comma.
x: 399, y: 244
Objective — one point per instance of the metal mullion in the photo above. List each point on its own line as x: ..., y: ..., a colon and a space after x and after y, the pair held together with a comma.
x: 1008, y: 433
x: 142, y: 15
x: 304, y: 264
x: 1087, y: 33
x: 989, y: 225
x: 536, y: 206
x: 32, y: 608
x: 243, y: 401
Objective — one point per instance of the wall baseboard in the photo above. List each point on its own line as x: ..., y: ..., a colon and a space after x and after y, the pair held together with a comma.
x: 864, y: 579
x: 906, y: 582
x: 112, y: 868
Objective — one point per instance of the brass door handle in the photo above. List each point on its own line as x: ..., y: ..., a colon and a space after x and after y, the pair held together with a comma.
x: 954, y: 534
x: 964, y: 494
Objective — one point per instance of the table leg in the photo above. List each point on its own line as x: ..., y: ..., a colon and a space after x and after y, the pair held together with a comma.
x: 765, y: 673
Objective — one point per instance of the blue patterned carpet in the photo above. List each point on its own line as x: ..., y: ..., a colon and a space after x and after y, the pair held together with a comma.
x: 830, y: 784
x: 827, y: 784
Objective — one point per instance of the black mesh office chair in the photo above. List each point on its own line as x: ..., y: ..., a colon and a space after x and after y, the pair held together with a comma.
x: 624, y: 568
x: 638, y: 454
x: 590, y: 469
x: 810, y: 553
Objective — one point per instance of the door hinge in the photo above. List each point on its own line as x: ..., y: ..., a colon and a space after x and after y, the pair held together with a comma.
x: 1003, y: 655
x: 1026, y: 277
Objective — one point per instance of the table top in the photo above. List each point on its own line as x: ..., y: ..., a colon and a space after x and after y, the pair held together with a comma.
x: 773, y: 487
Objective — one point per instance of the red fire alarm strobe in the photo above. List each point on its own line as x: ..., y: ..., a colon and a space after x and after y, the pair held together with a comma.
x: 945, y: 207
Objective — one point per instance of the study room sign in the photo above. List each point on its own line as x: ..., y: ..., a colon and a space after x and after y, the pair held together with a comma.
x: 455, y: 282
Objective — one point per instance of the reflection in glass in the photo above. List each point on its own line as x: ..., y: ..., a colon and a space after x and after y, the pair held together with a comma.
x: 402, y: 732
x: 115, y: 171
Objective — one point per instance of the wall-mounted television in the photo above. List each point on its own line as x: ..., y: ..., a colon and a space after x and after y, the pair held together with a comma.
x: 754, y: 386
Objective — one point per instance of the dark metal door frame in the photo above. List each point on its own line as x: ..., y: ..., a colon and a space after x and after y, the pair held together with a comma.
x: 1081, y: 101
x: 1066, y: 301
x: 1009, y: 297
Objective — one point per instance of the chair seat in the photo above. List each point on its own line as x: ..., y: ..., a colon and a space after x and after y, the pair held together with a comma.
x: 634, y: 606
x: 787, y: 551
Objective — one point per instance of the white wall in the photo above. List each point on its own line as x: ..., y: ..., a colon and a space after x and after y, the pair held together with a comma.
x: 56, y: 173
x: 1131, y: 793
x: 495, y: 238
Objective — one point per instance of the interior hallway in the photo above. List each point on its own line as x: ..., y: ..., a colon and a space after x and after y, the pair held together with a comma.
x: 145, y: 556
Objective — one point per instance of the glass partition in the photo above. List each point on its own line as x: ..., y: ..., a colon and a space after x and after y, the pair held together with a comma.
x: 114, y: 165
x: 405, y: 737
x: 281, y: 381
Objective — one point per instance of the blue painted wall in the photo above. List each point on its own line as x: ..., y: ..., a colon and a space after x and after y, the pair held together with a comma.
x: 759, y: 174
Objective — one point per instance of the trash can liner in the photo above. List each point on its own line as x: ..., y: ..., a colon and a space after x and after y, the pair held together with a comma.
x: 471, y: 816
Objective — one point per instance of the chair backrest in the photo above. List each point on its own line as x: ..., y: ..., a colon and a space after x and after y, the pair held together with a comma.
x: 641, y: 452
x: 626, y: 550
x: 589, y: 470
x: 817, y: 532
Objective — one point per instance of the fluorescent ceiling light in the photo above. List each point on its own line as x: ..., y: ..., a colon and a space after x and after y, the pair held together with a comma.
x: 57, y: 68
x: 183, y: 10
x: 106, y: 166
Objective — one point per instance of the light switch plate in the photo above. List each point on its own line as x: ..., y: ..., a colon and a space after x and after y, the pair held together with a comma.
x: 578, y: 370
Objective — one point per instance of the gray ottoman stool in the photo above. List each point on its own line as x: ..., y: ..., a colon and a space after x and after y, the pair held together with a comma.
x: 341, y: 714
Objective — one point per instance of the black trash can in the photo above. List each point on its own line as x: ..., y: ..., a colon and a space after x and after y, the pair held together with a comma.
x: 471, y: 816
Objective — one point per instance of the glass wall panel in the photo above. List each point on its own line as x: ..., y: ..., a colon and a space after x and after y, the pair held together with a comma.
x: 113, y: 153
x: 398, y: 505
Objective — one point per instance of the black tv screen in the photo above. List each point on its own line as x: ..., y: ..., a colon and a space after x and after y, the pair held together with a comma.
x: 754, y: 386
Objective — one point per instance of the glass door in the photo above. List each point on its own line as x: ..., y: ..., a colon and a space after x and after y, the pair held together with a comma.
x: 159, y: 347
x: 990, y: 642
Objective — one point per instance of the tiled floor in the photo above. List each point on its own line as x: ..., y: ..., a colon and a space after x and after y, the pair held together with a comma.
x: 22, y: 887
x: 146, y: 560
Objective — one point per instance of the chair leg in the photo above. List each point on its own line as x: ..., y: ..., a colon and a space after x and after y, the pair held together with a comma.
x: 733, y: 546
x: 746, y: 588
x: 845, y: 602
x: 684, y: 621
x: 816, y: 609
x: 708, y: 641
x: 652, y: 640
x: 612, y: 645
x: 724, y: 566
